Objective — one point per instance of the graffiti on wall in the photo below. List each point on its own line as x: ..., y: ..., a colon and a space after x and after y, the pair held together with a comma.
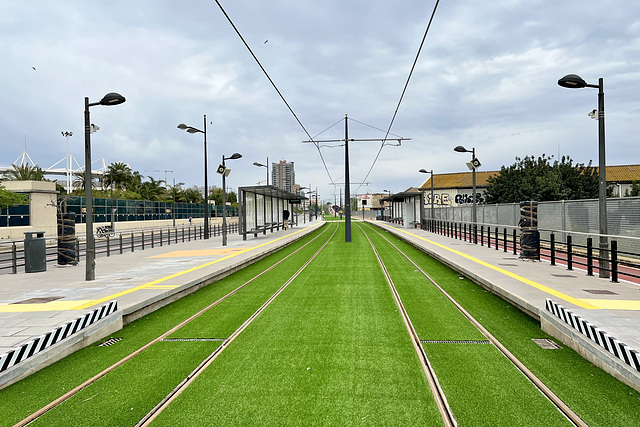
x: 444, y: 199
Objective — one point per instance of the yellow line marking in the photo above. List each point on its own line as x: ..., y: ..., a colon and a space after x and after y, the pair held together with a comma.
x: 198, y: 252
x: 543, y: 288
x: 181, y: 273
x: 47, y: 306
x: 613, y: 304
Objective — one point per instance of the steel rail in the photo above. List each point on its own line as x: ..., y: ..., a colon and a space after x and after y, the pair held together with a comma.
x: 104, y: 372
x: 563, y: 407
x: 432, y: 379
x: 147, y: 419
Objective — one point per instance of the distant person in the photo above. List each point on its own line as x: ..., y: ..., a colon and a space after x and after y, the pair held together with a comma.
x: 190, y: 221
x: 285, y: 216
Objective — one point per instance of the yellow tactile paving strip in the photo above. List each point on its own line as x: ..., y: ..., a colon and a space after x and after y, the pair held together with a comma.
x: 614, y: 304
x: 153, y: 285
x: 592, y: 304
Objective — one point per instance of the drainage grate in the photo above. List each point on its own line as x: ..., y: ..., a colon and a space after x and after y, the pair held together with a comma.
x: 565, y: 275
x: 41, y: 300
x: 455, y: 341
x: 600, y: 291
x: 509, y: 265
x: 110, y: 341
x: 546, y: 343
x: 192, y: 339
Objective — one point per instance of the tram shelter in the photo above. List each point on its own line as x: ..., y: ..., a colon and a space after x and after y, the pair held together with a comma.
x: 262, y: 207
x: 406, y: 207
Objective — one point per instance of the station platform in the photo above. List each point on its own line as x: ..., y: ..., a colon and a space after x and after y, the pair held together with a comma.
x: 598, y: 318
x: 34, y: 305
x: 47, y: 315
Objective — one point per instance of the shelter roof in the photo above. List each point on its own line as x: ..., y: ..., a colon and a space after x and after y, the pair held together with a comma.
x: 272, y: 191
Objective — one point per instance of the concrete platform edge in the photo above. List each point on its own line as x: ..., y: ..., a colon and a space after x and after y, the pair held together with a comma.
x: 589, y: 350
x: 58, y: 351
x: 548, y: 323
x: 117, y: 320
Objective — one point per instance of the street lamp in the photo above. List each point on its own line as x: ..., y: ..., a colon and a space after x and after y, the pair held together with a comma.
x: 431, y: 172
x: 263, y: 166
x: 67, y: 134
x: 111, y: 98
x: 191, y: 129
x: 573, y: 81
x: 473, y: 166
x: 224, y: 195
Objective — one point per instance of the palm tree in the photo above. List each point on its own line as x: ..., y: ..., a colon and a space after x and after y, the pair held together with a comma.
x: 117, y: 176
x: 152, y: 189
x: 192, y: 195
x: 25, y: 172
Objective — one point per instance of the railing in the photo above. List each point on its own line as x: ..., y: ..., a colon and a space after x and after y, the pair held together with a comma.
x: 12, y: 258
x: 564, y: 251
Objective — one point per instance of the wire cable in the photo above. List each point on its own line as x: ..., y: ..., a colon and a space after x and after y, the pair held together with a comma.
x: 404, y: 90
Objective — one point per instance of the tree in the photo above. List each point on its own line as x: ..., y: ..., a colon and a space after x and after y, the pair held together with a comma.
x: 540, y: 180
x: 117, y: 176
x: 152, y: 189
x: 25, y: 173
x: 635, y: 189
x: 192, y: 195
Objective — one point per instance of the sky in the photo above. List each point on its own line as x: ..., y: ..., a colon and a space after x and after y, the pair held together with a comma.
x: 486, y: 78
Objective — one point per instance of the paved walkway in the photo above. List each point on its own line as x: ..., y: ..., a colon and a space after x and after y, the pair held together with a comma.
x: 33, y: 304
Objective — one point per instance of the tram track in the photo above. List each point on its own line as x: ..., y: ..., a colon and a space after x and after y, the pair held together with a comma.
x: 446, y: 413
x: 432, y: 379
x: 187, y: 381
x: 37, y: 414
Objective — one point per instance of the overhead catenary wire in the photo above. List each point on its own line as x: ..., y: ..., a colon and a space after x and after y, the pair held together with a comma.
x: 274, y: 85
x: 404, y: 90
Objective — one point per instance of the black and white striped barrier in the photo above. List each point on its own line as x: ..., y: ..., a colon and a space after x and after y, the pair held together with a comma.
x: 619, y: 349
x: 18, y: 354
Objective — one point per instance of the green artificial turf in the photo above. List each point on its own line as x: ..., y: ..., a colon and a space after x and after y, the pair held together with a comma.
x: 330, y: 350
x: 127, y: 394
x: 597, y: 397
x: 25, y: 397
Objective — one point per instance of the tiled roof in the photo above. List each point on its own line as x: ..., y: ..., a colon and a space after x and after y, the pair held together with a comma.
x: 458, y: 180
x: 622, y: 173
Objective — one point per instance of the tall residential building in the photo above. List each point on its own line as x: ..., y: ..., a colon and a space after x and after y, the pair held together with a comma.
x: 283, y: 175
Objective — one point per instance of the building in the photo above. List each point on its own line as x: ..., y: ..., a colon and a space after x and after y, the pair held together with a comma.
x: 456, y: 189
x: 283, y: 175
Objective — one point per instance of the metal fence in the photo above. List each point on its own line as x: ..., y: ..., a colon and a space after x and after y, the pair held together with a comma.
x: 140, y: 210
x: 12, y: 254
x: 578, y: 218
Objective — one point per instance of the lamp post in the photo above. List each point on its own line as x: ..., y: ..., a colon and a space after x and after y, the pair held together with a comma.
x: 304, y: 217
x: 474, y: 164
x: 67, y: 134
x: 224, y: 195
x: 191, y: 129
x: 111, y: 98
x: 263, y: 166
x: 431, y: 172
x: 573, y: 81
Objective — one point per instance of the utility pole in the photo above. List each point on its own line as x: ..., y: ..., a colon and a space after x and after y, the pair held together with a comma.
x: 347, y: 189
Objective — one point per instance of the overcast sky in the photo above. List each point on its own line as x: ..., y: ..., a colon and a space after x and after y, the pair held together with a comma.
x: 486, y: 78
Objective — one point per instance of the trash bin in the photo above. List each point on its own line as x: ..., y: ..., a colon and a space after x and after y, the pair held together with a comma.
x: 34, y: 252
